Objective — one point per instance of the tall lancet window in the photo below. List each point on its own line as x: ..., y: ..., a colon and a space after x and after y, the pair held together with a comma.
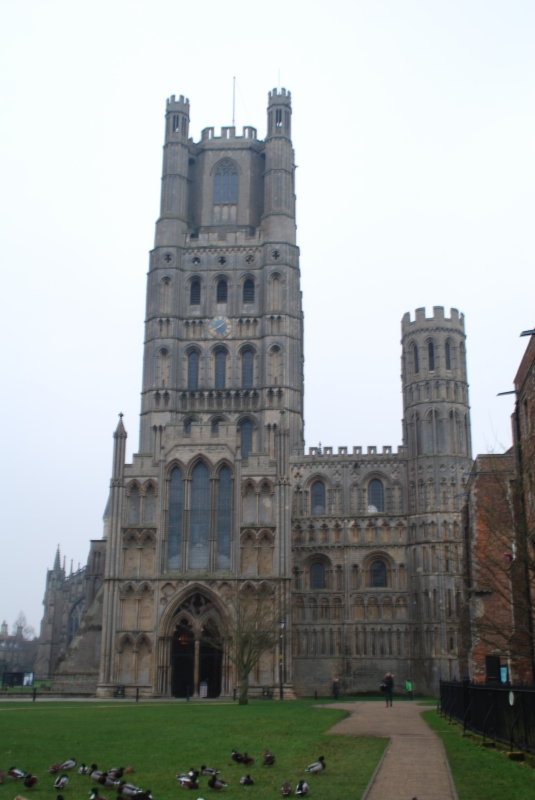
x: 193, y: 370
x: 199, y: 531
x: 247, y: 362
x: 221, y: 369
x: 225, y: 192
x: 174, y: 535
x: 246, y: 438
x: 224, y: 518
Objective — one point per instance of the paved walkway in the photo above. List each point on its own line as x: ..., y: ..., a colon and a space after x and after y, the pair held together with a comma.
x: 414, y: 764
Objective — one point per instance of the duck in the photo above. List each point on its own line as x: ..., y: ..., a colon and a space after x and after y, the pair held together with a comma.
x: 16, y: 773
x: 83, y: 769
x: 208, y: 770
x: 94, y: 795
x: 95, y: 773
x: 128, y: 789
x: 20, y: 797
x: 70, y: 763
x: 116, y: 772
x: 269, y: 758
x: 286, y: 788
x: 216, y: 783
x: 107, y: 780
x: 302, y: 788
x: 191, y: 774
x: 30, y: 780
x: 248, y: 760
x: 61, y: 782
x: 186, y: 782
x: 146, y: 795
x: 237, y: 757
x: 53, y: 768
x: 129, y: 769
x: 246, y: 780
x: 317, y: 767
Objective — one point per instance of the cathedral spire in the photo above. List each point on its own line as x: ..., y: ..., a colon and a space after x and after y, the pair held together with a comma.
x: 119, y: 449
x: 57, y: 561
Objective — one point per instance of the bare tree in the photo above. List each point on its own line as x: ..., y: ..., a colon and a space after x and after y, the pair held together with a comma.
x: 28, y: 632
x: 501, y: 563
x: 254, y: 619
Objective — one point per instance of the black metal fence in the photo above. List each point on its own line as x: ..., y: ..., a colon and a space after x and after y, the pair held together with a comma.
x: 505, y: 713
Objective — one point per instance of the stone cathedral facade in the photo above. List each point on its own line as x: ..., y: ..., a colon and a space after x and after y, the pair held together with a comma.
x: 363, y: 544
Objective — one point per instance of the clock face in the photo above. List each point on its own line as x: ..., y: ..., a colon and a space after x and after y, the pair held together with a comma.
x: 219, y: 327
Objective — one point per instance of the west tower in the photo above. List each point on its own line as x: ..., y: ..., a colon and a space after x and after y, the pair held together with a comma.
x: 205, y: 503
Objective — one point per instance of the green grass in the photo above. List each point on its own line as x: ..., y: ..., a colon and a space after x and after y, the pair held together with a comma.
x: 480, y: 773
x: 163, y: 739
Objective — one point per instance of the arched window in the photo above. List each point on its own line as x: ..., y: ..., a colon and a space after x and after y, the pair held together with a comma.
x: 431, y: 356
x: 318, y: 497
x: 187, y: 426
x: 226, y: 184
x: 215, y: 426
x: 220, y: 369
x: 246, y: 438
x: 276, y: 365
x: 222, y: 291
x: 462, y: 359
x: 133, y: 506
x: 193, y: 370
x: 378, y: 574
x: 163, y: 367
x: 199, y: 533
x: 247, y: 360
x: 448, y: 355
x: 174, y: 554
x: 195, y: 293
x: 224, y: 518
x: 376, y: 496
x: 149, y: 505
x: 415, y: 359
x: 317, y: 576
x: 248, y: 291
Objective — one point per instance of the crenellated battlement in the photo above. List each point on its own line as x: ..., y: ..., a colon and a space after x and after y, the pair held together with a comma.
x: 182, y: 104
x: 455, y: 320
x: 282, y: 97
x: 228, y: 132
x: 357, y: 450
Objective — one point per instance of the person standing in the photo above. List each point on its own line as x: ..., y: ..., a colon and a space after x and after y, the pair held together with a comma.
x: 408, y: 687
x: 336, y: 689
x: 389, y: 688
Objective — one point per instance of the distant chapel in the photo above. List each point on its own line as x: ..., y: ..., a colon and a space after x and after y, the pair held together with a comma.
x: 364, y: 544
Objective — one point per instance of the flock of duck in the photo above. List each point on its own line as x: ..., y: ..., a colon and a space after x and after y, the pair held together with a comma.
x: 113, y: 778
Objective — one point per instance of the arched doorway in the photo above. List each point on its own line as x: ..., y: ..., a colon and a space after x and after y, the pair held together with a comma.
x: 196, y: 651
x: 182, y: 660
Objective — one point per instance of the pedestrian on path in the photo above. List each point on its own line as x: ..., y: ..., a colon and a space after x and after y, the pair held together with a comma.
x: 336, y: 689
x: 389, y: 688
x: 408, y: 687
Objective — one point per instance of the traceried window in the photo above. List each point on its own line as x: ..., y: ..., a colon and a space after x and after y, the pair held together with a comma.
x: 378, y: 574
x: 246, y: 438
x: 224, y: 518
x: 248, y: 291
x: 448, y: 355
x: 193, y: 370
x: 226, y: 193
x: 317, y: 576
x: 318, y: 497
x: 174, y: 553
x: 431, y: 356
x: 220, y: 369
x: 222, y: 291
x: 376, y: 496
x: 199, y: 533
x: 247, y: 362
x: 133, y: 506
x: 195, y: 293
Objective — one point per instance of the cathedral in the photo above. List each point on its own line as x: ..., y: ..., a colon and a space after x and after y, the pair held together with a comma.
x: 363, y: 543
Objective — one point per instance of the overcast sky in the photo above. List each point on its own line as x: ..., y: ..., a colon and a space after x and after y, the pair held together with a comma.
x: 413, y: 127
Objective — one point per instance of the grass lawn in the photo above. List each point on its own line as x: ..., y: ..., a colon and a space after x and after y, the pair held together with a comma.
x: 480, y: 773
x: 163, y: 739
